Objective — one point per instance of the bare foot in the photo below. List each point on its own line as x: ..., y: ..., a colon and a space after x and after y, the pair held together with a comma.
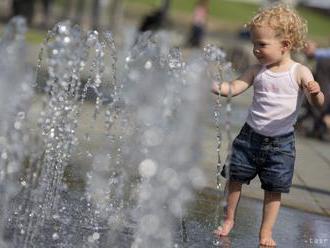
x: 225, y: 229
x: 266, y: 240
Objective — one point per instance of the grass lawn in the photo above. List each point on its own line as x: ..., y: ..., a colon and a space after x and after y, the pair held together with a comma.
x: 239, y: 13
x: 35, y: 36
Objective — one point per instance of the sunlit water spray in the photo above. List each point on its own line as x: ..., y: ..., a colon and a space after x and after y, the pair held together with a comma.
x: 221, y: 71
x: 137, y: 155
x: 17, y: 152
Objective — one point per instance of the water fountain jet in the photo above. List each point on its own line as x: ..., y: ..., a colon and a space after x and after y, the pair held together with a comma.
x: 138, y: 170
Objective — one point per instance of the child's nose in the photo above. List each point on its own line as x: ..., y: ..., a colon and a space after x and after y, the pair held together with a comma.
x: 256, y: 51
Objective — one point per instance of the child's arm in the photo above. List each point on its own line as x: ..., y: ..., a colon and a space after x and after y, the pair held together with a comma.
x: 237, y: 86
x: 311, y: 88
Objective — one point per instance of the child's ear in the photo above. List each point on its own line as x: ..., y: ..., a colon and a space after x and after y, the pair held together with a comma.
x: 286, y: 44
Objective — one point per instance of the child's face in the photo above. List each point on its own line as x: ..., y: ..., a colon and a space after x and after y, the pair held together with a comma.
x: 267, y: 48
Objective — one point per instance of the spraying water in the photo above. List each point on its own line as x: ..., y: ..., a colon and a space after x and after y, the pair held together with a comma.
x: 125, y: 174
x: 16, y: 79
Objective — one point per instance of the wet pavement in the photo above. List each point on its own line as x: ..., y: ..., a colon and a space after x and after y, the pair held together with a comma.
x: 294, y: 228
x: 77, y: 226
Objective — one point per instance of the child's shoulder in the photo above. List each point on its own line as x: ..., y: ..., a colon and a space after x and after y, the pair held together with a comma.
x: 297, y: 66
x: 303, y: 74
x: 302, y: 68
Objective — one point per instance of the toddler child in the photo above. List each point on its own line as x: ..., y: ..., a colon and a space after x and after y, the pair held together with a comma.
x: 265, y: 145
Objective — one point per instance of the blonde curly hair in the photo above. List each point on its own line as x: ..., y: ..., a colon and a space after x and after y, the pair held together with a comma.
x: 286, y: 23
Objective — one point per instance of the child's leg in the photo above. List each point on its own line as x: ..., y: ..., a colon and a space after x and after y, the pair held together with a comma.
x: 234, y: 192
x: 272, y: 202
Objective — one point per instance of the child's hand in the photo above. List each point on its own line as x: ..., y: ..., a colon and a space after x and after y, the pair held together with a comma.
x: 316, y: 95
x: 312, y: 87
x: 215, y: 87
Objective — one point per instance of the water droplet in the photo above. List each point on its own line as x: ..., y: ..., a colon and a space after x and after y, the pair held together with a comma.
x: 56, y: 216
x: 67, y: 40
x: 216, y: 242
x: 212, y: 53
x: 148, y: 65
x: 96, y: 236
x: 55, y: 236
x: 148, y: 168
x: 62, y: 28
x: 4, y: 155
x: 18, y: 125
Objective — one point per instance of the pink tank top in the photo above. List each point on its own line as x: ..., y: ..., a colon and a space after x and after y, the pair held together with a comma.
x: 200, y: 15
x: 276, y: 101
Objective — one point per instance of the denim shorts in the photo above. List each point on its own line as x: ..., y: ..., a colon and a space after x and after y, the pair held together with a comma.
x: 271, y: 158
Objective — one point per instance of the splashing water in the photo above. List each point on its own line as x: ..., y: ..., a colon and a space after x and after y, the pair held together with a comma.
x: 221, y: 68
x: 17, y: 153
x: 115, y: 157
